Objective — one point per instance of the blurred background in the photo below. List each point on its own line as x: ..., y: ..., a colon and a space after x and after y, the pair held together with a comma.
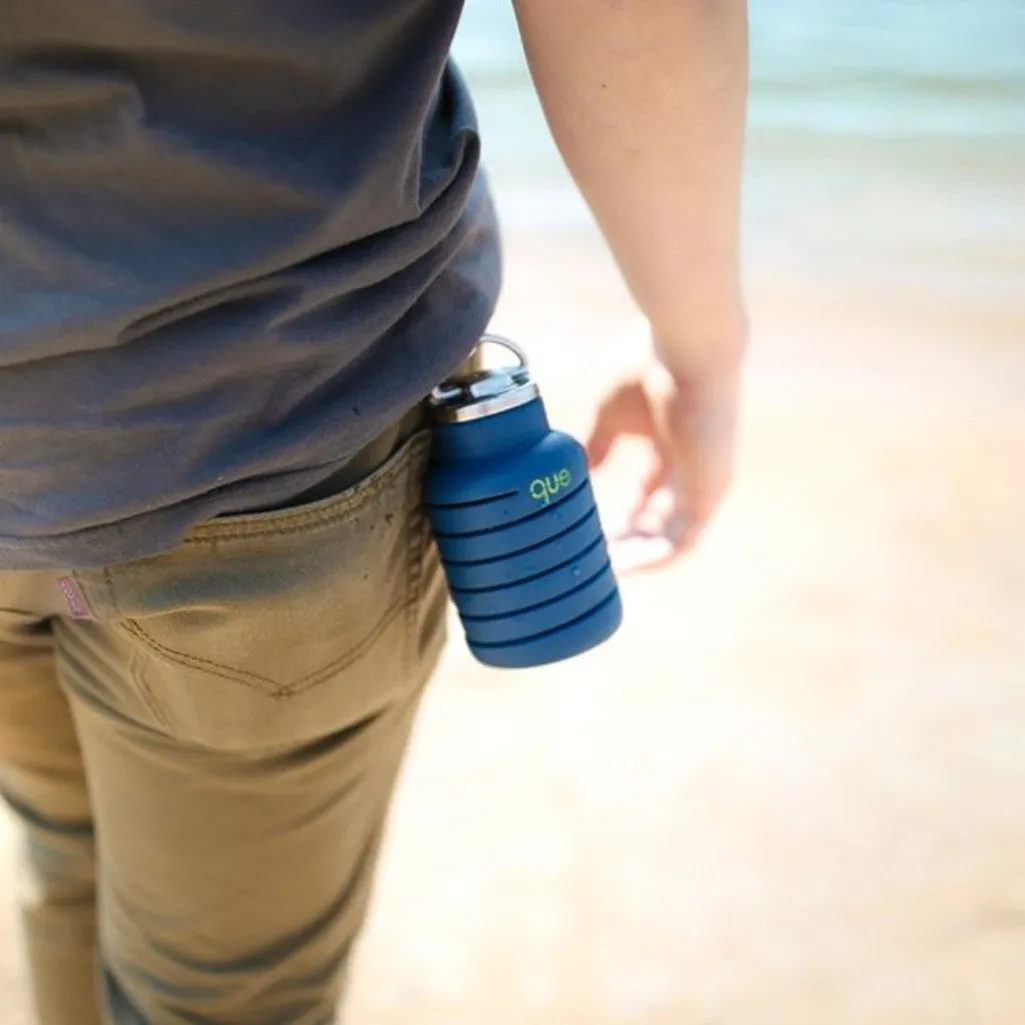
x: 792, y: 789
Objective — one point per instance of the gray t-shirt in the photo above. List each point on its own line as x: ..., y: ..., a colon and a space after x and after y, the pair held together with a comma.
x: 236, y: 241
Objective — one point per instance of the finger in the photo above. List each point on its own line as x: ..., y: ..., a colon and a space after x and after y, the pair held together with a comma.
x: 657, y: 477
x: 624, y: 411
x: 665, y: 518
x: 639, y: 554
x: 601, y: 437
x: 649, y: 547
x: 681, y: 530
x: 705, y: 472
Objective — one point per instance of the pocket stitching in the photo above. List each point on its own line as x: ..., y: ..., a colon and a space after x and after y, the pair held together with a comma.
x: 253, y: 680
x: 136, y: 674
x: 337, y: 510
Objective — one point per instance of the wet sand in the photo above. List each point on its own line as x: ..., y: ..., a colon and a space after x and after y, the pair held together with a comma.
x: 791, y: 790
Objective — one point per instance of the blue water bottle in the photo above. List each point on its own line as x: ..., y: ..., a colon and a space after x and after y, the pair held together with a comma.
x: 511, y: 507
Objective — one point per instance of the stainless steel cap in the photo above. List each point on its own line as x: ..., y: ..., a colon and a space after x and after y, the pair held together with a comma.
x: 478, y: 392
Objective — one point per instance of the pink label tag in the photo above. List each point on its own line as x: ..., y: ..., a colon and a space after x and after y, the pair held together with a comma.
x: 77, y: 604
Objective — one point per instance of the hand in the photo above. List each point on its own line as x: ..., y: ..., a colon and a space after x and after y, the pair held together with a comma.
x: 686, y: 420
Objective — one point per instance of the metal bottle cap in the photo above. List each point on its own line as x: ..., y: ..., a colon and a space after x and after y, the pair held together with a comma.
x: 476, y: 393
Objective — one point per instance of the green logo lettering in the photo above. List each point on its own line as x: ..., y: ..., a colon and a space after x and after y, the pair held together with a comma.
x: 544, y: 489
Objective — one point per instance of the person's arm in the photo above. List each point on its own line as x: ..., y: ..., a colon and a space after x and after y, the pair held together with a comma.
x: 646, y: 101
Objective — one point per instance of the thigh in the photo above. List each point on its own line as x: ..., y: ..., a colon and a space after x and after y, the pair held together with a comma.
x: 243, y: 705
x: 42, y: 778
x: 234, y: 887
x: 41, y: 771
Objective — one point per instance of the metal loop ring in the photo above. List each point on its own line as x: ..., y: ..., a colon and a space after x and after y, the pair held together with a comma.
x: 480, y: 392
x: 506, y: 343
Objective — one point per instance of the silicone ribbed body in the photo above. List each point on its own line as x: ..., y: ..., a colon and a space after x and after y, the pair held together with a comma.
x: 512, y: 510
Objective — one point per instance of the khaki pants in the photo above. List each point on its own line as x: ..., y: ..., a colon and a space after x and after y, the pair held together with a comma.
x: 203, y: 766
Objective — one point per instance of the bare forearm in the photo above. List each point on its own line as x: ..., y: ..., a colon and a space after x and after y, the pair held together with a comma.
x: 646, y: 100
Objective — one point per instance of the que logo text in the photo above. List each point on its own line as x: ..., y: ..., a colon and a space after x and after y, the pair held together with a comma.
x: 544, y: 489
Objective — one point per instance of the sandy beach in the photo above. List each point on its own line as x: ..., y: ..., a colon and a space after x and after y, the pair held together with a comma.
x: 789, y: 791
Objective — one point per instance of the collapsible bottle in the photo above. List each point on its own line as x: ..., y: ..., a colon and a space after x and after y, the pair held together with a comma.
x: 511, y: 507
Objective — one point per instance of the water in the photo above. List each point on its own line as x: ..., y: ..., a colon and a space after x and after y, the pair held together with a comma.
x: 887, y: 140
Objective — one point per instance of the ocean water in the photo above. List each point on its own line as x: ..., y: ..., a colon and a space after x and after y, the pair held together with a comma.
x: 886, y: 142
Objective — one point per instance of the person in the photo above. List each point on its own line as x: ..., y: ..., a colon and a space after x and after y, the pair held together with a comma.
x: 239, y: 244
